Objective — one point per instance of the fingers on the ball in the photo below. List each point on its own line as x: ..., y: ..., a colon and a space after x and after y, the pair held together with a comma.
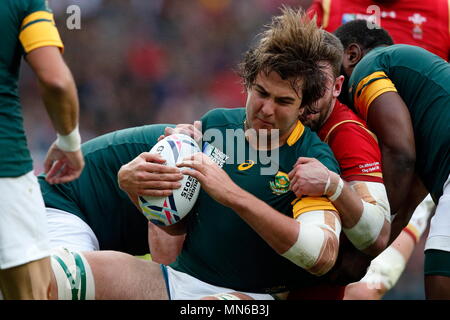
x: 193, y: 173
x: 161, y: 185
x: 198, y: 125
x: 152, y: 157
x: 168, y: 131
x: 160, y: 176
x: 155, y: 193
x: 194, y: 161
x: 158, y: 168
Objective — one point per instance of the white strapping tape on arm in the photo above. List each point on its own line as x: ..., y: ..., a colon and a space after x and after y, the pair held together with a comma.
x: 338, y: 191
x: 306, y: 249
x: 385, y: 269
x: 368, y: 228
x: 70, y: 142
x: 73, y: 274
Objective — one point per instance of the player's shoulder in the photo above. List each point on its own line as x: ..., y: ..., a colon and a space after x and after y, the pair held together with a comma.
x: 143, y: 135
x: 22, y: 8
x: 308, y: 144
x: 369, y: 63
x: 352, y: 134
x: 223, y: 117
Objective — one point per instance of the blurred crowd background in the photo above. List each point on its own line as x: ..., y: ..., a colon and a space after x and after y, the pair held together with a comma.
x: 139, y: 62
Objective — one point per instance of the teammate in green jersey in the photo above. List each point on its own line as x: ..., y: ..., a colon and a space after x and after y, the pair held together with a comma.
x: 27, y: 29
x: 404, y: 94
x: 92, y: 212
x: 234, y: 239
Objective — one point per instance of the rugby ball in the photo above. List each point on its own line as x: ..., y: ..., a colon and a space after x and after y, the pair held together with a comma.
x: 170, y: 210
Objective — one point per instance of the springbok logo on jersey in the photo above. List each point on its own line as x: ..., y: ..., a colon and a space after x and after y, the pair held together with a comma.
x: 281, y: 183
x: 417, y: 19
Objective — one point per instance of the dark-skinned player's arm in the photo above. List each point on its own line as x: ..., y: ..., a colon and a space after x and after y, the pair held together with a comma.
x: 415, y: 196
x: 389, y: 118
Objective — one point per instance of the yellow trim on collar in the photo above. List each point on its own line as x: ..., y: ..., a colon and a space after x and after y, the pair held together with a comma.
x: 296, y: 134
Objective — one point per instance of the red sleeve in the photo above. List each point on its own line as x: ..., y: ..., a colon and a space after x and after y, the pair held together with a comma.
x: 357, y: 152
x: 316, y: 9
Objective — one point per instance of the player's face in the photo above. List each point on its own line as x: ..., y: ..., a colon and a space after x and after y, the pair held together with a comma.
x: 272, y: 103
x: 315, y: 116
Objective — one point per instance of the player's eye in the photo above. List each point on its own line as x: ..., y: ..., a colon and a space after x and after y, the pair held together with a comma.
x: 310, y: 110
x: 262, y: 93
x: 284, y: 102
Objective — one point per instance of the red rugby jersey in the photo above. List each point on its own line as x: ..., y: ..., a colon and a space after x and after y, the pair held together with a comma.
x: 354, y: 146
x: 416, y: 22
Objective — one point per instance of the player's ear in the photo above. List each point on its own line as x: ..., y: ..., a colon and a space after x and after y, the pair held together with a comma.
x: 353, y: 54
x: 338, y: 86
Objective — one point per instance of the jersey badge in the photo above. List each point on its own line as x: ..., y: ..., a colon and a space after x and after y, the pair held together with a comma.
x: 215, y: 154
x: 281, y: 183
x: 417, y: 20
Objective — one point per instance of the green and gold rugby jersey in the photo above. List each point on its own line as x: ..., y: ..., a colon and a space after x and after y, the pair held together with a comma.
x: 422, y: 80
x: 25, y: 25
x: 95, y: 196
x: 221, y: 248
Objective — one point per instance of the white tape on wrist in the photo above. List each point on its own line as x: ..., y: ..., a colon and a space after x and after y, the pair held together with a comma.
x: 385, y: 269
x: 338, y: 191
x: 70, y: 142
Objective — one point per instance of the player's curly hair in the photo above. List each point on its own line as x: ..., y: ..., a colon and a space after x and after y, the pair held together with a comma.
x: 358, y: 31
x: 294, y: 47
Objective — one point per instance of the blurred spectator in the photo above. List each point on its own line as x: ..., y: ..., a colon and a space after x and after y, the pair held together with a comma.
x: 138, y: 61
x: 415, y: 22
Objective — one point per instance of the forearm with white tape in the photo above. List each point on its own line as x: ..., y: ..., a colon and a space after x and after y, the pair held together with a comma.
x: 375, y: 211
x: 70, y: 142
x: 318, y: 233
x: 385, y: 269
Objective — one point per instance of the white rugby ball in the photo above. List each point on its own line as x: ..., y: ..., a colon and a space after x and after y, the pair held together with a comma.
x: 169, y: 210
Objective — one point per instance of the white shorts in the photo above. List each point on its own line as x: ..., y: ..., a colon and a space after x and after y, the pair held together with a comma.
x: 439, y: 236
x: 185, y: 287
x: 23, y: 231
x: 69, y: 231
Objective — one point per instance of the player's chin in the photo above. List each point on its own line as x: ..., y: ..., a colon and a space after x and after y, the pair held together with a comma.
x: 310, y: 124
x: 305, y: 120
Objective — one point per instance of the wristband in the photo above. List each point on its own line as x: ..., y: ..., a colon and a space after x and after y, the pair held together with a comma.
x: 413, y: 232
x: 338, y: 191
x: 70, y: 142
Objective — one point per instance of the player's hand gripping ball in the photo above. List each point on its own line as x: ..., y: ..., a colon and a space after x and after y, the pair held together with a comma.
x: 169, y: 210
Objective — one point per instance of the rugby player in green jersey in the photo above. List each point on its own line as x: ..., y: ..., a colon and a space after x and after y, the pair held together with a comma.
x: 404, y: 94
x: 27, y: 29
x: 248, y: 232
x: 92, y: 212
